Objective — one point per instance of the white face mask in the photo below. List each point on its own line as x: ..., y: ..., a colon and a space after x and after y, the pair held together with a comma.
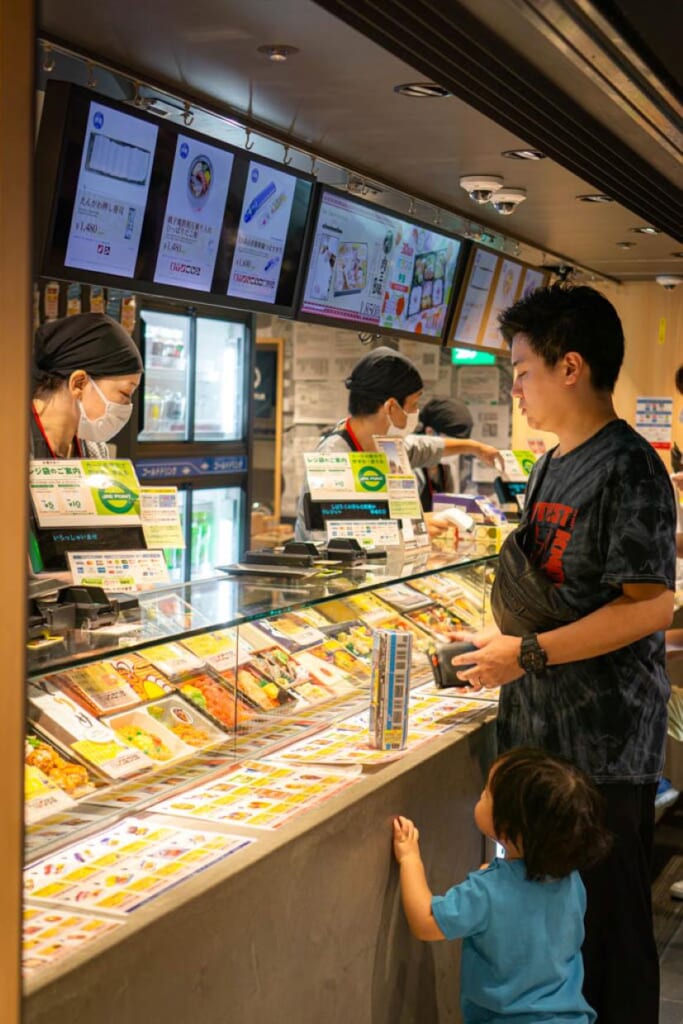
x: 412, y: 419
x: 106, y: 426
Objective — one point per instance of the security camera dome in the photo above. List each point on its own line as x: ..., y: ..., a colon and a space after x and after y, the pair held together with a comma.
x: 669, y: 281
x: 481, y: 187
x: 507, y: 200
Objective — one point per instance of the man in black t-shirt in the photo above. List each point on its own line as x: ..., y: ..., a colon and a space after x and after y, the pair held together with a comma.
x: 600, y: 526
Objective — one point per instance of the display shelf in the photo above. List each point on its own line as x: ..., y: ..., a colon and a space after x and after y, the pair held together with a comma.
x: 234, y: 710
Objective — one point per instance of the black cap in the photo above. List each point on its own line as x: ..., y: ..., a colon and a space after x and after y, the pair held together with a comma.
x: 447, y: 416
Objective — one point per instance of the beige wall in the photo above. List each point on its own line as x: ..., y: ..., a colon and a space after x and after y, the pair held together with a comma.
x: 16, y: 120
x: 653, y: 325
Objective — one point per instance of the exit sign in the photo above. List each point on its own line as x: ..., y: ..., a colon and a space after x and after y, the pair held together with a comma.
x: 470, y: 357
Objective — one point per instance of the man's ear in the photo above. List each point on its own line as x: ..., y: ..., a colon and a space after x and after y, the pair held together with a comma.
x: 573, y: 367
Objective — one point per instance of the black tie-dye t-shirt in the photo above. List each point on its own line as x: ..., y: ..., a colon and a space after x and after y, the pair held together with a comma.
x: 603, y: 515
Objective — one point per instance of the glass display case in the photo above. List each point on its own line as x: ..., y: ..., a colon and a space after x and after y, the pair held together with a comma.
x: 211, y: 714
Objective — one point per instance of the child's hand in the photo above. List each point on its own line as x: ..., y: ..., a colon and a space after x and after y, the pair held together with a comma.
x: 406, y: 839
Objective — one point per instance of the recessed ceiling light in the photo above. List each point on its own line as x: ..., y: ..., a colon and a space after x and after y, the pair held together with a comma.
x: 423, y: 90
x: 278, y: 52
x: 523, y: 154
x: 646, y: 230
x: 625, y: 245
x: 595, y: 197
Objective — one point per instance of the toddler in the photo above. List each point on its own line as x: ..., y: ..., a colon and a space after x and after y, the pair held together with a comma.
x: 521, y: 917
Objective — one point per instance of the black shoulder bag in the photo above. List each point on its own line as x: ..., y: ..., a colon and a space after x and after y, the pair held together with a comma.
x: 523, y: 599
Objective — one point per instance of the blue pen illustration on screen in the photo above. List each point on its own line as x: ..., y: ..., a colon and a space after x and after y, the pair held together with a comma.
x: 258, y: 201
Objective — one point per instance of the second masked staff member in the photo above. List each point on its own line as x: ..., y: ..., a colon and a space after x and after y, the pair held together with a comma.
x: 384, y: 391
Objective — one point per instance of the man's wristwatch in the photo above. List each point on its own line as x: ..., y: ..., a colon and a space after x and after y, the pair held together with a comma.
x: 532, y: 658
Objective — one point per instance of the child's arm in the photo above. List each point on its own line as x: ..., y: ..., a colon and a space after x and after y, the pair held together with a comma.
x: 415, y: 893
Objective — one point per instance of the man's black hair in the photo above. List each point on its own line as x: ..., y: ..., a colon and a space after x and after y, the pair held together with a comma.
x: 552, y: 808
x: 562, y: 319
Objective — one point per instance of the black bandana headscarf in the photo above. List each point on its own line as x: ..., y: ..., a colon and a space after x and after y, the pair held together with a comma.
x: 384, y: 373
x: 88, y: 341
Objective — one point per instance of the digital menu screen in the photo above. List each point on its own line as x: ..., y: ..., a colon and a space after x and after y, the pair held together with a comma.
x: 126, y: 200
x: 470, y: 316
x: 111, y: 194
x: 194, y: 213
x: 262, y: 233
x: 493, y: 282
x: 367, y: 266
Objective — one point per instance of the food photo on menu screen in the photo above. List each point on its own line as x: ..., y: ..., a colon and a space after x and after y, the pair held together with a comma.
x: 194, y: 214
x: 111, y: 194
x: 370, y: 266
x: 262, y: 233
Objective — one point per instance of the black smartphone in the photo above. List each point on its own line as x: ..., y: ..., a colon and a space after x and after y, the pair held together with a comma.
x: 441, y: 661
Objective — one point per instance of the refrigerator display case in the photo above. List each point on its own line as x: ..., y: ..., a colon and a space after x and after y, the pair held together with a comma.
x: 192, y: 428
x: 189, y: 734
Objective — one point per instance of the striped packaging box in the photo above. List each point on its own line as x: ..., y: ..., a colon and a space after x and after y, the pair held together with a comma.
x: 391, y: 653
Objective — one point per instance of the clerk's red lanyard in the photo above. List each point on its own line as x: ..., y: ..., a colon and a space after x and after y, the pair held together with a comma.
x: 53, y: 453
x: 352, y: 437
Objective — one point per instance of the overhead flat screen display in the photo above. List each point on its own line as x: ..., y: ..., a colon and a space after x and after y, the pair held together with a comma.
x: 111, y: 193
x: 194, y: 213
x: 493, y: 282
x: 264, y: 222
x: 370, y: 268
x: 127, y: 200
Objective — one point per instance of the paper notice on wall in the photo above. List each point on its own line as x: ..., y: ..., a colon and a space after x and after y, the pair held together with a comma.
x: 478, y: 384
x: 425, y: 356
x: 653, y: 420
x: 441, y: 387
x: 321, y: 402
x: 491, y: 423
x: 320, y: 353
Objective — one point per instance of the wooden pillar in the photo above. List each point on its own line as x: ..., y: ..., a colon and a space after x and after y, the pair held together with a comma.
x: 16, y: 151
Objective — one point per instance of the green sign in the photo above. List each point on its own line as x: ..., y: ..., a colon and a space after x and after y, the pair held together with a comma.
x: 471, y: 357
x: 370, y: 471
x: 114, y: 486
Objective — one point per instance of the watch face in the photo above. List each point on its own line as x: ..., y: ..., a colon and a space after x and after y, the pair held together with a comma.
x: 532, y: 657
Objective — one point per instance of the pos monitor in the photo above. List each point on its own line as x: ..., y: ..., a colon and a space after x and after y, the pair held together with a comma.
x: 370, y: 269
x: 127, y: 200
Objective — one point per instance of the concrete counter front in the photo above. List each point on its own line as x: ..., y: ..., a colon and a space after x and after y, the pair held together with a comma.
x: 303, y: 927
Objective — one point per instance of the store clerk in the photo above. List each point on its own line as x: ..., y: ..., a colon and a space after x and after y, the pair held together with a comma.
x: 85, y: 371
x: 384, y: 390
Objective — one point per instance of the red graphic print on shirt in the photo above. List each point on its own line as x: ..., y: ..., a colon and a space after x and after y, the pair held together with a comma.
x: 552, y: 525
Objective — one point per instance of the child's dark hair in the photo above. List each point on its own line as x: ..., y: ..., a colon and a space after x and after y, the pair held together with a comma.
x: 562, y: 319
x: 552, y: 808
